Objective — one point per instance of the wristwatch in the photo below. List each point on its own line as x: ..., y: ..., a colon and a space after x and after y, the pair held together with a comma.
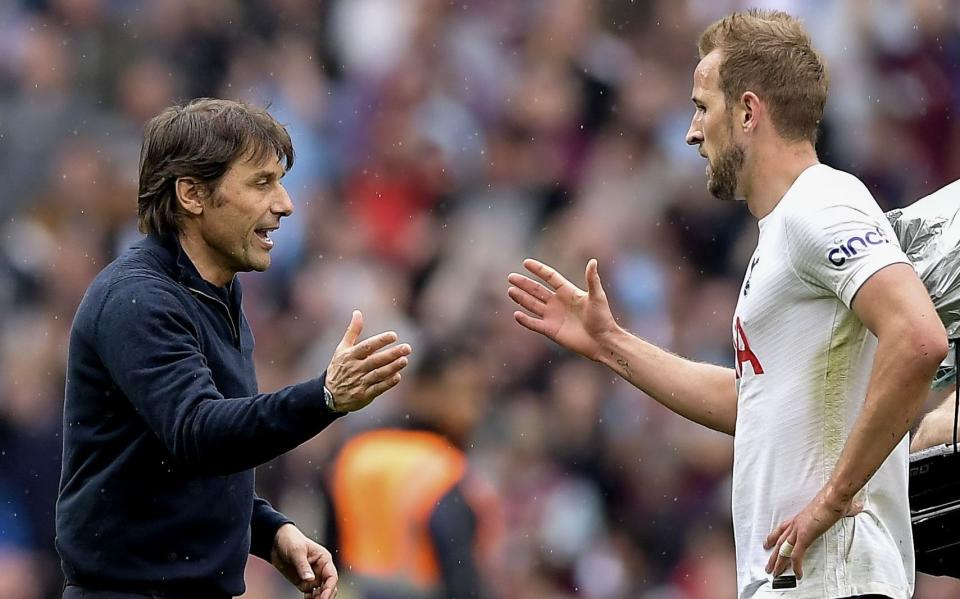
x: 328, y: 398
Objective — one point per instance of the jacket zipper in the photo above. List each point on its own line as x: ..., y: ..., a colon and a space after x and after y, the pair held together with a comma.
x: 233, y: 326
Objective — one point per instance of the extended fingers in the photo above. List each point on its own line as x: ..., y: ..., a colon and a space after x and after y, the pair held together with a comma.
x: 530, y: 286
x: 372, y: 344
x: 379, y: 388
x: 386, y: 371
x: 547, y: 273
x: 527, y: 301
x: 385, y: 357
x: 534, y: 324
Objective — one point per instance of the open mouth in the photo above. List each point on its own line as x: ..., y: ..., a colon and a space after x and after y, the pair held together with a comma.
x: 264, y: 236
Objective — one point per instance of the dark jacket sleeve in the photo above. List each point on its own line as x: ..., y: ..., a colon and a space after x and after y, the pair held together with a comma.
x: 263, y: 527
x: 150, y: 347
x: 453, y: 529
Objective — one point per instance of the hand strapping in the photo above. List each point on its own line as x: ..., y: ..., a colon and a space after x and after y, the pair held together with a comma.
x: 791, y: 538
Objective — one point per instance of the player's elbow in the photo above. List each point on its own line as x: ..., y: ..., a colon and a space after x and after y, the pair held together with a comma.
x: 924, y: 346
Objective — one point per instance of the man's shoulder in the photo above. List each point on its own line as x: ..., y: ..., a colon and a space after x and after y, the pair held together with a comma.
x: 827, y: 198
x: 827, y: 187
x: 138, y: 274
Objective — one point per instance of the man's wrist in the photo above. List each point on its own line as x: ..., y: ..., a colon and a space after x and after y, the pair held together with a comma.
x: 838, y: 497
x: 612, y: 344
x: 329, y: 400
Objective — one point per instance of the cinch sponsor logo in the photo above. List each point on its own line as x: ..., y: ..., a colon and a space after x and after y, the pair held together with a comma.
x: 854, y: 245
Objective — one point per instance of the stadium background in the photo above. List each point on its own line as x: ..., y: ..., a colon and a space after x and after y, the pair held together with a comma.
x: 437, y: 144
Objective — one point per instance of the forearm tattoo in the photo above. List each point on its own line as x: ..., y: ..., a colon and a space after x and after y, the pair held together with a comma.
x: 625, y: 366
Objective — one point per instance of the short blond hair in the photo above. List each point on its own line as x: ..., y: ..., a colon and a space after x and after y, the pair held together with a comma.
x: 769, y: 52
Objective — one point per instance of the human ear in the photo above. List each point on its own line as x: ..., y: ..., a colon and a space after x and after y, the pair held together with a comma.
x: 190, y: 194
x: 749, y: 113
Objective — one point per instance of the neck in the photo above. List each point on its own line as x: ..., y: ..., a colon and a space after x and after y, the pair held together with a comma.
x: 774, y: 169
x: 205, y: 264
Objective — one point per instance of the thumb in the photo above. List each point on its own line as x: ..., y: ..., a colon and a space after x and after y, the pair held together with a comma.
x: 353, y: 329
x: 303, y: 567
x: 593, y: 279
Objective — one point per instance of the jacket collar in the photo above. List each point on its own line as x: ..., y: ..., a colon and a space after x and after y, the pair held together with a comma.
x: 181, y: 268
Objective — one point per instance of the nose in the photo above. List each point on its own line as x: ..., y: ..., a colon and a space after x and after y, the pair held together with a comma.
x: 695, y: 132
x: 282, y: 204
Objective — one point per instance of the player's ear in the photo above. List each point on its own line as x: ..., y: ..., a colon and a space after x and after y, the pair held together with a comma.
x: 748, y: 111
x: 190, y: 194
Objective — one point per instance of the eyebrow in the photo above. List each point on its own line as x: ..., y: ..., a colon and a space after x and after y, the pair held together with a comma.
x: 266, y: 173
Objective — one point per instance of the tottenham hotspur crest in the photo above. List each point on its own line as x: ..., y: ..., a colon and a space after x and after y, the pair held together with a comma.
x: 746, y: 287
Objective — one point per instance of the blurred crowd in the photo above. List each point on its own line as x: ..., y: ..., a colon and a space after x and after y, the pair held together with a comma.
x: 438, y: 143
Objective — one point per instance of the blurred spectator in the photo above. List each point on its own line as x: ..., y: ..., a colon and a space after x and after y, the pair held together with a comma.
x: 411, y: 518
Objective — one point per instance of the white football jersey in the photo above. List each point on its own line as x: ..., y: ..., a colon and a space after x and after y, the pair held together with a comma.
x: 803, y: 361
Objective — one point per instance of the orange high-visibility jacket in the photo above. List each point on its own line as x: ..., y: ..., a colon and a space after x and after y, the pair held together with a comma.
x: 385, y: 485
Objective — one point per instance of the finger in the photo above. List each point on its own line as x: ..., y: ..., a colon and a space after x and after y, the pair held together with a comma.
x: 592, y: 274
x: 329, y: 574
x: 527, y: 301
x: 783, y: 562
x: 776, y: 547
x: 371, y: 344
x: 798, y: 553
x: 385, y: 356
x: 353, y: 329
x: 329, y: 588
x: 774, y: 536
x: 530, y: 286
x: 780, y: 565
x: 547, y: 273
x: 385, y: 385
x: 772, y: 560
x: 534, y: 324
x: 384, y: 372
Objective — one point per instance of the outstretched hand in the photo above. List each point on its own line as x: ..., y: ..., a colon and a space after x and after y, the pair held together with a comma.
x: 791, y: 538
x: 576, y: 319
x: 359, y: 372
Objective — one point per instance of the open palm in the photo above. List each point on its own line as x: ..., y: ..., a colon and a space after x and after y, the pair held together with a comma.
x: 561, y: 311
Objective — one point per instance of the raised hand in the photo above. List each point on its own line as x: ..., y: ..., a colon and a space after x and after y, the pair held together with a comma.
x: 576, y: 319
x: 359, y: 372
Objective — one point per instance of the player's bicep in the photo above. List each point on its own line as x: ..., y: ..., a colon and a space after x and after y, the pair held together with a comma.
x: 893, y: 301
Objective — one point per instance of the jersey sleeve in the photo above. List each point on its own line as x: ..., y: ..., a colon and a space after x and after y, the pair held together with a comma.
x: 836, y: 248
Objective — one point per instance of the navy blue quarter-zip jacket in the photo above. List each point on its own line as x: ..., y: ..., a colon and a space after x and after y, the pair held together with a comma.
x: 163, y: 426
